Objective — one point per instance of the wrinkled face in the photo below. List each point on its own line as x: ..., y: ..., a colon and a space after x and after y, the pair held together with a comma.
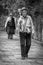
x: 24, y: 13
x: 11, y: 16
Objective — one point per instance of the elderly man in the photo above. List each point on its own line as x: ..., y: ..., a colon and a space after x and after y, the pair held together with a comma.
x: 26, y: 28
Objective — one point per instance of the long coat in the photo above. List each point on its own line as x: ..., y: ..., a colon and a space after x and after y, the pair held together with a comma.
x: 10, y: 28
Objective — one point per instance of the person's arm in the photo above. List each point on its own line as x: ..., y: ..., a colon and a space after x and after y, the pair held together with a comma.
x: 19, y: 20
x: 8, y: 19
x: 18, y: 24
x: 6, y: 22
x: 32, y: 26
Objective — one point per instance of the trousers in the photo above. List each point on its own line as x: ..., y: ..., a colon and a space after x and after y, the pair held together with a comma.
x: 25, y: 43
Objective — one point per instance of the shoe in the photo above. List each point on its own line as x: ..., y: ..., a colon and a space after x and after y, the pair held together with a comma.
x: 26, y: 56
x: 23, y: 58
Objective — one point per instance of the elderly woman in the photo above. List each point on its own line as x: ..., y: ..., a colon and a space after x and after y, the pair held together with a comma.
x: 10, y: 26
x: 26, y: 28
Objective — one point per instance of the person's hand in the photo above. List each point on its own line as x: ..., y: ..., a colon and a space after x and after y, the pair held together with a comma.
x: 17, y: 30
x: 5, y: 28
x: 33, y: 35
x: 27, y: 30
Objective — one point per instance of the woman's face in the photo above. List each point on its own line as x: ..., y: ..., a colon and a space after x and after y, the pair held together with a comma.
x: 24, y: 13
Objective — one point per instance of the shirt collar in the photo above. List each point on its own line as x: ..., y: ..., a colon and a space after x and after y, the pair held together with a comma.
x: 24, y: 18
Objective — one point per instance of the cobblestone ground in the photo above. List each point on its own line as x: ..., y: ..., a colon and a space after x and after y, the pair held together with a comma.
x: 10, y: 53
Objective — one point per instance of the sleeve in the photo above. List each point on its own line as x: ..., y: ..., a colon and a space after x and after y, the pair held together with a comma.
x: 6, y: 22
x: 18, y: 24
x: 32, y: 26
x: 19, y: 21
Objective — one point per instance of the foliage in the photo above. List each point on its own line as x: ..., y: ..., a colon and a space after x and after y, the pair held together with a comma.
x: 35, y: 9
x: 15, y: 4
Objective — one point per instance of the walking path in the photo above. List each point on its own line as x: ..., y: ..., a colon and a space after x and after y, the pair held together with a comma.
x: 10, y: 53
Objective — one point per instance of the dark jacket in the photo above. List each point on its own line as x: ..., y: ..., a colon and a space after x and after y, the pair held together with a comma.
x: 11, y: 27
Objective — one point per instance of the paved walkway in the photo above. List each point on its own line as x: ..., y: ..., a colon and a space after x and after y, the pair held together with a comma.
x: 10, y: 53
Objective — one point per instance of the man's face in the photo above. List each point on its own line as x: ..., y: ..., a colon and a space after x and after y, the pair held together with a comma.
x: 11, y: 15
x: 24, y: 13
